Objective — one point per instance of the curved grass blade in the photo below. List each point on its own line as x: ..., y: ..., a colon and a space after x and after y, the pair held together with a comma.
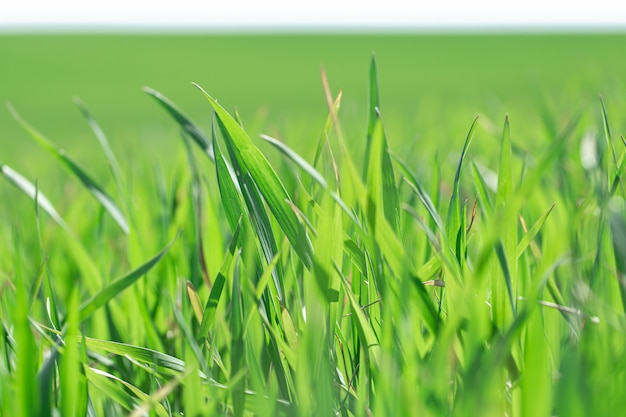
x: 139, y: 396
x: 418, y: 189
x: 314, y: 174
x: 189, y: 127
x: 453, y: 223
x: 265, y: 178
x: 104, y: 143
x: 31, y: 190
x: 138, y: 353
x: 300, y: 161
x: 486, y: 206
x: 119, y: 285
x: 95, y: 189
x: 228, y: 179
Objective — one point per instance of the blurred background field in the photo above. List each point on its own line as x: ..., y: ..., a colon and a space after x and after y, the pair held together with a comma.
x: 431, y: 85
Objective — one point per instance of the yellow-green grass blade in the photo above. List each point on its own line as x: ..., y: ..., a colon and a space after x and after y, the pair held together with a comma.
x: 114, y: 288
x: 377, y: 158
x: 381, y: 178
x: 69, y: 372
x: 26, y: 402
x: 94, y: 188
x: 185, y: 123
x: 265, y: 178
x: 194, y: 300
x: 532, y: 232
x: 504, y: 291
x: 326, y: 131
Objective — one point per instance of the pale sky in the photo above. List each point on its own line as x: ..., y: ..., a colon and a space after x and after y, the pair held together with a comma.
x: 598, y: 14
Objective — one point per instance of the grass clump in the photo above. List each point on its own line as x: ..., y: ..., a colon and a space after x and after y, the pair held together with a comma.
x: 329, y: 285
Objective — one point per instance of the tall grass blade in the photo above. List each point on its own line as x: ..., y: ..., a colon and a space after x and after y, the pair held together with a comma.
x: 26, y: 401
x: 453, y: 222
x: 70, y: 362
x: 265, y: 179
x: 506, y: 248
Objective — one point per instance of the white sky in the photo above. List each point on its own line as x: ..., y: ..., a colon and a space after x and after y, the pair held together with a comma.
x: 209, y: 14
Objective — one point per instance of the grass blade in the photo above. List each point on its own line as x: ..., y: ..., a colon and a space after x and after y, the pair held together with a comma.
x: 189, y: 127
x: 31, y: 190
x: 265, y: 179
x: 96, y: 190
x: 114, y: 288
x: 453, y: 223
x: 532, y: 232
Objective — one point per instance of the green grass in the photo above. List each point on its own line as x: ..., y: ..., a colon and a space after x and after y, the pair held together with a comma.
x: 377, y: 251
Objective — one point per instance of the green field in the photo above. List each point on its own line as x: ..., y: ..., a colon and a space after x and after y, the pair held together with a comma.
x: 388, y: 254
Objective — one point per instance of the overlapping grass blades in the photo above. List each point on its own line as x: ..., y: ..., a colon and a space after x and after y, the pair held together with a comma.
x: 252, y: 160
x: 327, y: 289
x: 92, y: 186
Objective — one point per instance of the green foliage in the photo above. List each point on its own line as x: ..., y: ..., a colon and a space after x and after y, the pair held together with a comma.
x: 300, y: 286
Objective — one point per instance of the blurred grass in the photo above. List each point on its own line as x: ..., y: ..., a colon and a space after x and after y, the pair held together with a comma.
x: 274, y: 80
